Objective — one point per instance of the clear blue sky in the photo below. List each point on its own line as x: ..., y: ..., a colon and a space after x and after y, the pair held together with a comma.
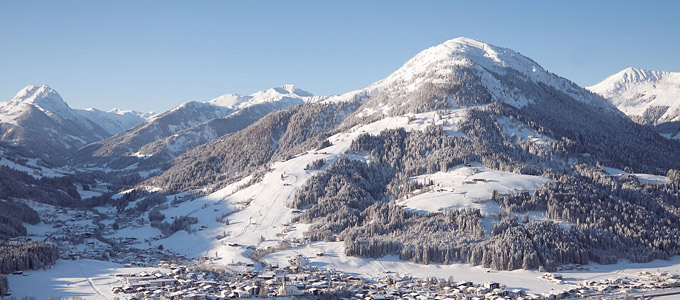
x: 153, y: 55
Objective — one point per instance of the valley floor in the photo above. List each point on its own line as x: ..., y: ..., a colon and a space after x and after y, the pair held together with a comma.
x: 529, y: 280
x: 92, y: 279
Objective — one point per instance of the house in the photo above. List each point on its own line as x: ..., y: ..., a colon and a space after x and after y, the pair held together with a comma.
x: 288, y: 290
x: 162, y: 282
x: 492, y: 285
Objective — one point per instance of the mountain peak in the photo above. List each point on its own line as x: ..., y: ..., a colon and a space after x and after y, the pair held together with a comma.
x: 632, y: 74
x: 45, y: 98
x: 447, y: 64
x: 32, y: 93
x: 440, y: 61
x: 652, y: 95
x: 292, y: 89
x: 626, y: 78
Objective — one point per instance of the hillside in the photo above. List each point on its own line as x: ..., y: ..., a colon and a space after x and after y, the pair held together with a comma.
x: 374, y: 167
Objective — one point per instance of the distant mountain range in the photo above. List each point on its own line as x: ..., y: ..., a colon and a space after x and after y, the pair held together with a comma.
x: 38, y: 120
x: 646, y: 96
x: 157, y: 140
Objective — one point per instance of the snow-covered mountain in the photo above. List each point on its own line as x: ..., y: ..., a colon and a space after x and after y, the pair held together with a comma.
x: 38, y: 119
x: 285, y: 93
x: 469, y: 153
x: 477, y: 136
x: 115, y: 120
x: 464, y: 66
x: 646, y: 96
x: 164, y: 136
x: 459, y: 73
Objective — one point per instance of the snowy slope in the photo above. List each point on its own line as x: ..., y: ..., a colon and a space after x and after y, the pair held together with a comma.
x: 457, y: 189
x: 651, y: 96
x: 261, y: 209
x: 51, y: 103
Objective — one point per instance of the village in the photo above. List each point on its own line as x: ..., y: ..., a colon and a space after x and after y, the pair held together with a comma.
x: 205, y: 280
x: 79, y: 237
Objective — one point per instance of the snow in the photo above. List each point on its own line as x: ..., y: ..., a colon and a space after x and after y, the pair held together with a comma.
x: 115, y: 120
x: 43, y: 97
x: 528, y: 280
x: 288, y: 93
x: 260, y: 210
x: 93, y: 279
x: 121, y: 194
x: 456, y: 189
x: 90, y: 279
x: 644, y: 178
x: 485, y: 59
x: 51, y: 103
x: 634, y: 90
x: 515, y: 128
x: 33, y: 167
x: 87, y: 194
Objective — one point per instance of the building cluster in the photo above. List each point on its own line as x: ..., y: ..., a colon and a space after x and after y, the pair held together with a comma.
x: 73, y: 231
x: 644, y: 284
x: 174, y: 281
x: 78, y: 235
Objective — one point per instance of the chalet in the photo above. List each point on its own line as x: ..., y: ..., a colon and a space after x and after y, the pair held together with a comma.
x: 492, y: 285
x: 500, y: 292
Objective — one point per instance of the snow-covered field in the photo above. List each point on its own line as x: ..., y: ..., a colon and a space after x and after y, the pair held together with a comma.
x: 644, y: 178
x: 469, y: 187
x: 91, y: 279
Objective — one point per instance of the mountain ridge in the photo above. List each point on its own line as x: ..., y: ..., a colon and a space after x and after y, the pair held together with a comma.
x: 166, y: 135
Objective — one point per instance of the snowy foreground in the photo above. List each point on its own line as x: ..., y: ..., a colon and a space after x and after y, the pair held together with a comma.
x: 94, y: 279
x: 91, y: 279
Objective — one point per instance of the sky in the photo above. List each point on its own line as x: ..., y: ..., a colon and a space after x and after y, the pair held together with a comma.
x: 154, y: 55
